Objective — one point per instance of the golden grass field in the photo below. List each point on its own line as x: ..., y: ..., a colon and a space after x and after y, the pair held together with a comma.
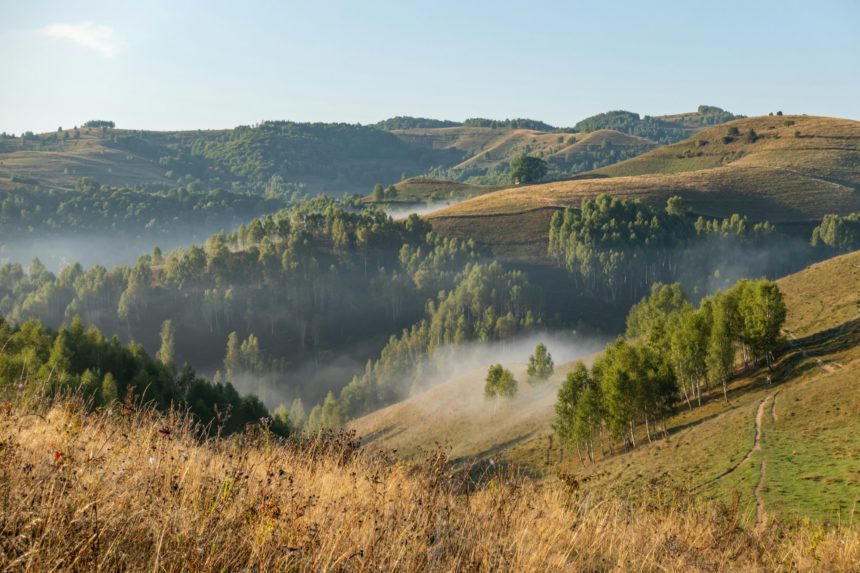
x: 779, y: 178
x: 129, y: 490
x: 810, y: 432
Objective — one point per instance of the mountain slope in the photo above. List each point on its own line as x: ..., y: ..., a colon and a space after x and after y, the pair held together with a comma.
x: 803, y: 423
x: 758, y: 167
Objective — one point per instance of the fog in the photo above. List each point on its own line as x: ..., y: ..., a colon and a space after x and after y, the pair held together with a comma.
x: 452, y: 413
x: 397, y: 212
x: 736, y: 261
x: 109, y: 249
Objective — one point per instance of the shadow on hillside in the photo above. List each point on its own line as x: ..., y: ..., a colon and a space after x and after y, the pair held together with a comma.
x: 384, y: 432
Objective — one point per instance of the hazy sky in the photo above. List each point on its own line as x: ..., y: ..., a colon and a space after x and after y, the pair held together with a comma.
x: 194, y: 64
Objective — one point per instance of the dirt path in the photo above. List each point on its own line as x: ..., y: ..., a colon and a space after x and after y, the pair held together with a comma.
x: 760, y: 513
x: 759, y: 420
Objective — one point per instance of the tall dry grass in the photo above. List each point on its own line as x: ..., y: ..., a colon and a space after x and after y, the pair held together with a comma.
x: 137, y: 491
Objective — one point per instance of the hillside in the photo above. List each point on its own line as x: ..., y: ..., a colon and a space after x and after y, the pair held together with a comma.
x: 791, y: 171
x: 803, y: 423
x: 487, y: 151
x: 151, y: 495
x: 316, y: 157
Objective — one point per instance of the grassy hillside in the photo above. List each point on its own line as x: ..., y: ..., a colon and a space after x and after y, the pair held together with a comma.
x: 773, y: 175
x: 124, y: 489
x: 785, y: 446
x: 59, y: 164
x: 487, y: 151
x: 417, y: 190
x: 328, y: 158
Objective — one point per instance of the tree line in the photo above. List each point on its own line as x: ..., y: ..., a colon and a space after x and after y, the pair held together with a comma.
x: 93, y: 208
x: 616, y: 248
x: 673, y: 354
x: 37, y: 361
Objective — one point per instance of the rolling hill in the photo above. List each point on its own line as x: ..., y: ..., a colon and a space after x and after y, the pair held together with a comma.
x: 785, y: 445
x: 316, y: 157
x: 790, y: 170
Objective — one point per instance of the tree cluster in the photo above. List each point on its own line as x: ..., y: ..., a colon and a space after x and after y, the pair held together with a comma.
x: 673, y: 352
x: 39, y: 361
x: 841, y: 232
x: 616, y: 249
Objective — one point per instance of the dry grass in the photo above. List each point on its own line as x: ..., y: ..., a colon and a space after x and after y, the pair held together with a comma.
x: 136, y: 491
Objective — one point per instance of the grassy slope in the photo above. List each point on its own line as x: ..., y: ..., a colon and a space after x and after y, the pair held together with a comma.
x: 90, y: 156
x: 425, y: 189
x: 487, y: 148
x: 810, y: 431
x: 779, y: 177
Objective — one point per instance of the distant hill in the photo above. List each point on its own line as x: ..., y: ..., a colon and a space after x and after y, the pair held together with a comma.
x: 663, y: 129
x: 790, y: 170
x: 407, y: 122
x: 318, y: 157
x: 806, y: 418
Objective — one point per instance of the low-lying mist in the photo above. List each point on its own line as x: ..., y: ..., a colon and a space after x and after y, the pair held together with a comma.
x: 399, y: 212
x: 451, y: 411
x: 108, y: 250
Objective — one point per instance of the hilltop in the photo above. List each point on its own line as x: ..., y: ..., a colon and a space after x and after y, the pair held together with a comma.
x: 803, y: 419
x: 789, y: 170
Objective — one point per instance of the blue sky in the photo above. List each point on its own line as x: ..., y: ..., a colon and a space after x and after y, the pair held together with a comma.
x: 194, y: 64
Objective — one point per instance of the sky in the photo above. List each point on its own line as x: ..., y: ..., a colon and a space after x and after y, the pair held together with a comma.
x: 163, y: 64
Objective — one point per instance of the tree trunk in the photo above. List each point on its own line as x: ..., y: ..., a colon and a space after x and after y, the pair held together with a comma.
x: 686, y: 396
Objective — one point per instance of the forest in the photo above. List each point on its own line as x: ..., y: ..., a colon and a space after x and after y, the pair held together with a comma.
x: 616, y: 248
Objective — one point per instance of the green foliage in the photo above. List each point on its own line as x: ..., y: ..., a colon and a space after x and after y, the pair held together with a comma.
x: 519, y: 123
x: 166, y: 352
x: 841, y: 232
x: 36, y: 360
x: 500, y: 383
x: 526, y: 169
x: 407, y: 122
x: 540, y: 366
x: 671, y: 347
x: 100, y: 123
x: 655, y: 129
x: 487, y: 303
x: 295, y: 288
x: 617, y: 249
x: 153, y: 214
